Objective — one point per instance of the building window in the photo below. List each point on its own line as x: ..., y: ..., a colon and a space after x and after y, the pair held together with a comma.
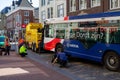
x: 43, y: 2
x: 114, y: 4
x: 60, y: 10
x: 82, y: 4
x: 49, y: 1
x: 26, y: 13
x: 17, y: 18
x: 50, y: 12
x: 72, y: 5
x: 26, y: 21
x: 95, y: 3
x: 43, y: 15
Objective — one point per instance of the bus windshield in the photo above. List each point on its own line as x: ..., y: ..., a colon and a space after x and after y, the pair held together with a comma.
x: 59, y: 31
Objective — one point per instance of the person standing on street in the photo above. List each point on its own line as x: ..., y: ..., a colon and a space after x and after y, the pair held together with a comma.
x: 7, y: 46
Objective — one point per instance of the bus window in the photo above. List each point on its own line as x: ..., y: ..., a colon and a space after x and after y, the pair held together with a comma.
x: 102, y: 35
x: 88, y: 24
x: 113, y: 35
x: 88, y: 36
x: 72, y: 34
x: 60, y: 34
x: 61, y: 30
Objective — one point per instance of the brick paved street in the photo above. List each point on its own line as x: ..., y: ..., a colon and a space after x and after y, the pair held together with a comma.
x: 14, y: 67
x: 79, y: 69
x: 38, y: 67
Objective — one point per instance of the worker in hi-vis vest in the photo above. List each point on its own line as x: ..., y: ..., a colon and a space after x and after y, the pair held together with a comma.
x: 23, y: 51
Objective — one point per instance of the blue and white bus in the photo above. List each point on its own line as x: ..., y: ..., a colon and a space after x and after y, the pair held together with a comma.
x: 93, y: 37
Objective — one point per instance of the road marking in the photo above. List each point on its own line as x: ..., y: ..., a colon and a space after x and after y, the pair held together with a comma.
x: 12, y: 71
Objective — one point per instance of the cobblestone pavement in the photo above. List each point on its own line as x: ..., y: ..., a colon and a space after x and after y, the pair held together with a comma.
x: 14, y: 67
x: 79, y: 69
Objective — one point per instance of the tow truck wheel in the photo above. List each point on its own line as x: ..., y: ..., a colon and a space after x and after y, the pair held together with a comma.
x: 27, y: 45
x: 112, y: 61
x: 35, y: 49
x: 32, y: 47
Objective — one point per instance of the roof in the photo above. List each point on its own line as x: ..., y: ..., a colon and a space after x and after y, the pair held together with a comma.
x: 21, y: 5
x: 18, y: 2
x: 5, y: 10
x: 25, y: 3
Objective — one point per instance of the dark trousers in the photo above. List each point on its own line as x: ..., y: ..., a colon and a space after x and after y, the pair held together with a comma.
x: 63, y: 63
x: 7, y: 50
x: 23, y: 54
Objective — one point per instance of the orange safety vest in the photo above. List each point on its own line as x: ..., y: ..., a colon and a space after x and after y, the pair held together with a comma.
x: 20, y: 41
x: 7, y: 43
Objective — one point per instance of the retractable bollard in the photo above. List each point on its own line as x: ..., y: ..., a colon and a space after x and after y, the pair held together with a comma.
x: 17, y: 49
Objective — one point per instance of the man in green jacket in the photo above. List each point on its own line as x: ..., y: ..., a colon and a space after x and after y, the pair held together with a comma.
x: 23, y: 51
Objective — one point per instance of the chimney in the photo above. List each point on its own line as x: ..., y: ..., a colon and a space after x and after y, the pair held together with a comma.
x: 13, y: 3
x: 16, y: 4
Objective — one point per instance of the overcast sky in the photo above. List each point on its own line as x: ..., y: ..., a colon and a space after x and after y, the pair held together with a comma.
x: 4, y: 3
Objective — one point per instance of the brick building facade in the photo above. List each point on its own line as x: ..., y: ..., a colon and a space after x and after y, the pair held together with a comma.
x: 80, y: 7
x: 20, y: 14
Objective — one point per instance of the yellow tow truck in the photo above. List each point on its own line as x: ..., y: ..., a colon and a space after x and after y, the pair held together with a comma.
x: 33, y: 35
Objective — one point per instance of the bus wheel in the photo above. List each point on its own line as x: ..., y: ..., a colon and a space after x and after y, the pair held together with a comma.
x: 112, y: 61
x: 59, y: 47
